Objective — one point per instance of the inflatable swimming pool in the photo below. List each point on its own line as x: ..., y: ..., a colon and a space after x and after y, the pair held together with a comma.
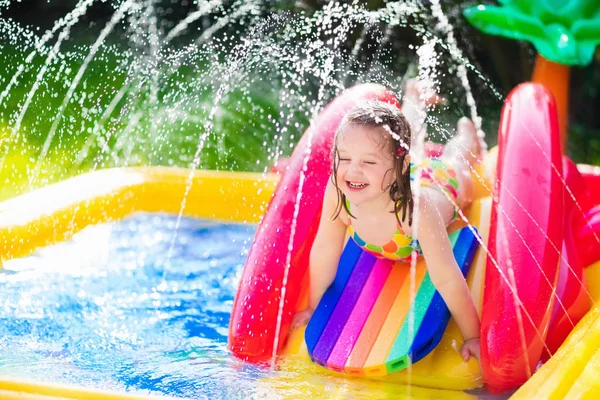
x: 55, y: 213
x: 208, y: 201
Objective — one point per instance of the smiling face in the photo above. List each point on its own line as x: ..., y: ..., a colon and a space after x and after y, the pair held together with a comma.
x: 365, y: 164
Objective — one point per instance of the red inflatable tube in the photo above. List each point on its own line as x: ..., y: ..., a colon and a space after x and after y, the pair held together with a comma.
x: 525, y: 233
x: 587, y: 226
x: 591, y: 176
x: 588, y: 237
x: 579, y: 196
x: 253, y: 325
x: 571, y: 289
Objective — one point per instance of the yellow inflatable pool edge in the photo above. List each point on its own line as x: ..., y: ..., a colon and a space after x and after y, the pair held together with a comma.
x: 58, y: 211
x: 21, y: 389
x: 569, y: 369
x: 573, y: 371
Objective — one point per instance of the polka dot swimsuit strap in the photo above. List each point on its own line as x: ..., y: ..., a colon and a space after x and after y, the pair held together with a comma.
x: 399, y: 248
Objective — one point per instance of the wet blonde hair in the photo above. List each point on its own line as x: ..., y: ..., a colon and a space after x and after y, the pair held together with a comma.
x: 395, y: 131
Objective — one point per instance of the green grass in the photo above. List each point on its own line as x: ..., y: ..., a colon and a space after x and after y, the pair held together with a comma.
x: 142, y: 129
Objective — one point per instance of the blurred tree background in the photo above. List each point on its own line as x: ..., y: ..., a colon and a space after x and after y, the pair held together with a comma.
x: 377, y: 51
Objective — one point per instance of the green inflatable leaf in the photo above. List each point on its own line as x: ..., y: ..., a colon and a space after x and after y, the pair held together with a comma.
x: 563, y: 31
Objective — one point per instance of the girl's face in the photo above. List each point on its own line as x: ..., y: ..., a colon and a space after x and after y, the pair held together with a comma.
x: 365, y: 164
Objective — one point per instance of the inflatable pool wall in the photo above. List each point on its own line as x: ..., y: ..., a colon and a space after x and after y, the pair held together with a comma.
x: 572, y: 299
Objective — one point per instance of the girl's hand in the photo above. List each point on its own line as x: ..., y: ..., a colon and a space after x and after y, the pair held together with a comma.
x: 470, y: 348
x: 301, y: 318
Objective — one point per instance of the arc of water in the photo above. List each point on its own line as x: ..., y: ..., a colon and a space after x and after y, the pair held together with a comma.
x: 124, y: 138
x: 72, y: 224
x: 306, y: 65
x: 426, y: 69
x: 327, y: 79
x: 115, y: 19
x: 196, y: 161
x: 14, y: 135
x: 155, y: 45
x: 204, y: 8
x: 288, y: 259
x: 130, y: 125
x: 394, y: 14
x: 564, y: 183
x: 357, y: 46
x: 96, y: 131
x: 326, y: 76
x: 154, y: 60
x: 420, y: 30
x: 505, y: 279
x: 244, y: 9
x: 287, y: 118
x: 68, y: 21
x: 555, y: 170
x: 530, y: 251
x: 132, y: 76
x: 53, y: 53
x: 104, y: 146
x: 456, y: 53
x: 233, y: 66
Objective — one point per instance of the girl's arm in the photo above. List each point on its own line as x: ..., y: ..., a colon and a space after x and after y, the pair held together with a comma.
x: 443, y: 270
x: 324, y: 255
x: 327, y: 248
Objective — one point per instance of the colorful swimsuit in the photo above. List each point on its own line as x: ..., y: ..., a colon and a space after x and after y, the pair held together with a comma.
x: 439, y: 175
x: 434, y: 173
x: 399, y: 248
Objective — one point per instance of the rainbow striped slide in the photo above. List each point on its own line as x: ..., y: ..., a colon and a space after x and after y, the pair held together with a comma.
x: 362, y: 324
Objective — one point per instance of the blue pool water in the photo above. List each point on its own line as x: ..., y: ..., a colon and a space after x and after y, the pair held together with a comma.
x: 106, y: 310
x: 111, y: 310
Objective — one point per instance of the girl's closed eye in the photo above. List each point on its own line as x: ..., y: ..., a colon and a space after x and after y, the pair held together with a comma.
x: 370, y: 162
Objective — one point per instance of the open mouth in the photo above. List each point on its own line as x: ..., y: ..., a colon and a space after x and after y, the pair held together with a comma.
x: 356, y: 185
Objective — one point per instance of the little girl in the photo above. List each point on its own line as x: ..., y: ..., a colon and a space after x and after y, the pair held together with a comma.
x: 370, y: 198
